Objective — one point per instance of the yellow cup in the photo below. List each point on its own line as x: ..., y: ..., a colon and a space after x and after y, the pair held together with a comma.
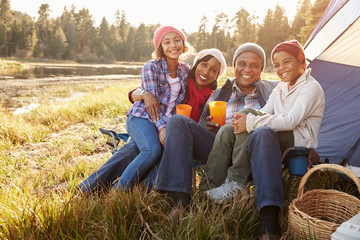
x: 218, y: 112
x: 183, y: 109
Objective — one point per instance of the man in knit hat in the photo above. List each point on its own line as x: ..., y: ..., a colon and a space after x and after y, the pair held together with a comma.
x: 292, y: 117
x: 191, y: 140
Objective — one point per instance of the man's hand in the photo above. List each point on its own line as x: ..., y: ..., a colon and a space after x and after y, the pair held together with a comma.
x: 162, y: 133
x: 152, y: 105
x: 211, y: 126
x: 313, y: 158
x: 239, y: 123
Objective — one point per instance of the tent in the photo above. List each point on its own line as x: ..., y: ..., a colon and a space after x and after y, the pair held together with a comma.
x: 333, y: 50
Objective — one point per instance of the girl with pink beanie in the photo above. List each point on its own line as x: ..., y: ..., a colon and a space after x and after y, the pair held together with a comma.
x: 166, y: 78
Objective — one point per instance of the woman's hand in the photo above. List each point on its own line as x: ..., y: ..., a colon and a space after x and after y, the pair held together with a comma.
x: 162, y: 133
x: 152, y: 105
x: 239, y: 123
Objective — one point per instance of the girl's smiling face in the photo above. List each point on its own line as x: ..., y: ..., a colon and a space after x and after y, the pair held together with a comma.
x: 206, y: 72
x: 287, y: 67
x: 172, y: 45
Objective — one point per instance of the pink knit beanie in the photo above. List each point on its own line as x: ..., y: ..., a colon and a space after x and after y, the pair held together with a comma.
x: 162, y: 31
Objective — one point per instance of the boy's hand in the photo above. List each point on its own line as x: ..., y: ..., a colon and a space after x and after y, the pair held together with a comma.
x: 211, y: 126
x: 239, y: 123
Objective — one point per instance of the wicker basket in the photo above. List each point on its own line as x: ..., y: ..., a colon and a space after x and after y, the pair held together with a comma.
x: 318, y: 213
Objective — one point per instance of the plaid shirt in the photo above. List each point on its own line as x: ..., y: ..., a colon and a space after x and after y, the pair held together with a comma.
x: 238, y: 101
x: 153, y: 79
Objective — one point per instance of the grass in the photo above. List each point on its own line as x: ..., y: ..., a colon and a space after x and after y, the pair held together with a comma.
x: 45, y: 153
x: 10, y: 65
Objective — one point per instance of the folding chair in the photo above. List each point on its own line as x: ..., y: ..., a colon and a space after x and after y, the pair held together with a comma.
x: 116, y: 138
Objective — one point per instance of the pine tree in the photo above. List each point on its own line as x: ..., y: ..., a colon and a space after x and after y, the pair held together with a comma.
x: 6, y: 18
x: 244, y: 27
x: 43, y: 27
x: 201, y: 37
x: 58, y: 44
x: 300, y: 19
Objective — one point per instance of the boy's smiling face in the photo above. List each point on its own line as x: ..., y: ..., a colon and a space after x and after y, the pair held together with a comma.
x: 287, y: 67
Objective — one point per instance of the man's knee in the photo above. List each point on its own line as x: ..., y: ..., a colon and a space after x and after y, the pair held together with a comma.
x: 246, y: 110
x: 226, y: 130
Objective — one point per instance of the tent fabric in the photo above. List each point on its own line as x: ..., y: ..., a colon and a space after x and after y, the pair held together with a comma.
x: 330, y: 11
x: 341, y: 52
x: 341, y: 122
x: 334, y: 53
x: 334, y: 27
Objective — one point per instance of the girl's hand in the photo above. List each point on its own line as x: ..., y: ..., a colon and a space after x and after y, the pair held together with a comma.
x: 239, y: 123
x: 162, y: 133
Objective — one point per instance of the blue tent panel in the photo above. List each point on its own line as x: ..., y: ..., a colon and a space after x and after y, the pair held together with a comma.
x: 341, y: 122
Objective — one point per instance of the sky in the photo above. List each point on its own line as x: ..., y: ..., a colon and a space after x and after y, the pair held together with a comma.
x: 185, y: 14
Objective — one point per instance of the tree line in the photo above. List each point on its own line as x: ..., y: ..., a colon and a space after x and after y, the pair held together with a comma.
x: 73, y: 36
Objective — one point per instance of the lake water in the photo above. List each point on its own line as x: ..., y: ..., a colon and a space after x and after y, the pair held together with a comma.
x: 21, y: 91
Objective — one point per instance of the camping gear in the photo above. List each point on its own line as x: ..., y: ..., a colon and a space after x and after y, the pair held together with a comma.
x: 319, y: 212
x: 349, y: 230
x: 296, y: 159
x: 116, y: 138
x: 333, y: 50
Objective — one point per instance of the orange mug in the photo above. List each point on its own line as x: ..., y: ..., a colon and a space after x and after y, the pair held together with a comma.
x: 183, y: 109
x: 218, y: 112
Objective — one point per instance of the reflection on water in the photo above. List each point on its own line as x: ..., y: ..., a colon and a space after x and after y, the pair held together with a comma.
x: 22, y: 91
x: 69, y: 71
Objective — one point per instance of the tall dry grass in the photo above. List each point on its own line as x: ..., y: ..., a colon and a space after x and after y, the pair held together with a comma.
x: 47, y: 152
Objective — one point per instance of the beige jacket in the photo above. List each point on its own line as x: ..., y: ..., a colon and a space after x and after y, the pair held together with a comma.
x: 301, y: 109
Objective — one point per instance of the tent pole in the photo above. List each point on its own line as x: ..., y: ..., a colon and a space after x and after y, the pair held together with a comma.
x: 344, y: 160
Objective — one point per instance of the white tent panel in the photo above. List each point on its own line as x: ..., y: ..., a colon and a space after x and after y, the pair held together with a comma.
x: 333, y: 29
x: 345, y: 50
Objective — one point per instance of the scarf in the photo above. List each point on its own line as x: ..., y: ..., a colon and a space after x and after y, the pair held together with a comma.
x: 197, y: 98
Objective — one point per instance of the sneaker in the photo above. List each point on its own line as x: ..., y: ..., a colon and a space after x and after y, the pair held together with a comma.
x: 225, y: 192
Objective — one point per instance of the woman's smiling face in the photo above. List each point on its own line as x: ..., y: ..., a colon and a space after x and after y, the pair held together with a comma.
x: 206, y: 72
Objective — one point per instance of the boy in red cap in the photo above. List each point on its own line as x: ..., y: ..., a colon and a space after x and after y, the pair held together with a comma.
x: 292, y: 114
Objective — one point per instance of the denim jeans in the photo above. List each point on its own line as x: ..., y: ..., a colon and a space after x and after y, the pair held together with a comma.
x: 265, y: 148
x: 185, y: 140
x: 111, y: 170
x: 146, y: 137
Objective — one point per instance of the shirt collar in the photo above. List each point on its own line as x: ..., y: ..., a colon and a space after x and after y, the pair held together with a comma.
x: 164, y: 66
x: 300, y: 81
x: 235, y: 88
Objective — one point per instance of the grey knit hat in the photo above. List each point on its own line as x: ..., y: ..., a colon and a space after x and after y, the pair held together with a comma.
x: 250, y: 47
